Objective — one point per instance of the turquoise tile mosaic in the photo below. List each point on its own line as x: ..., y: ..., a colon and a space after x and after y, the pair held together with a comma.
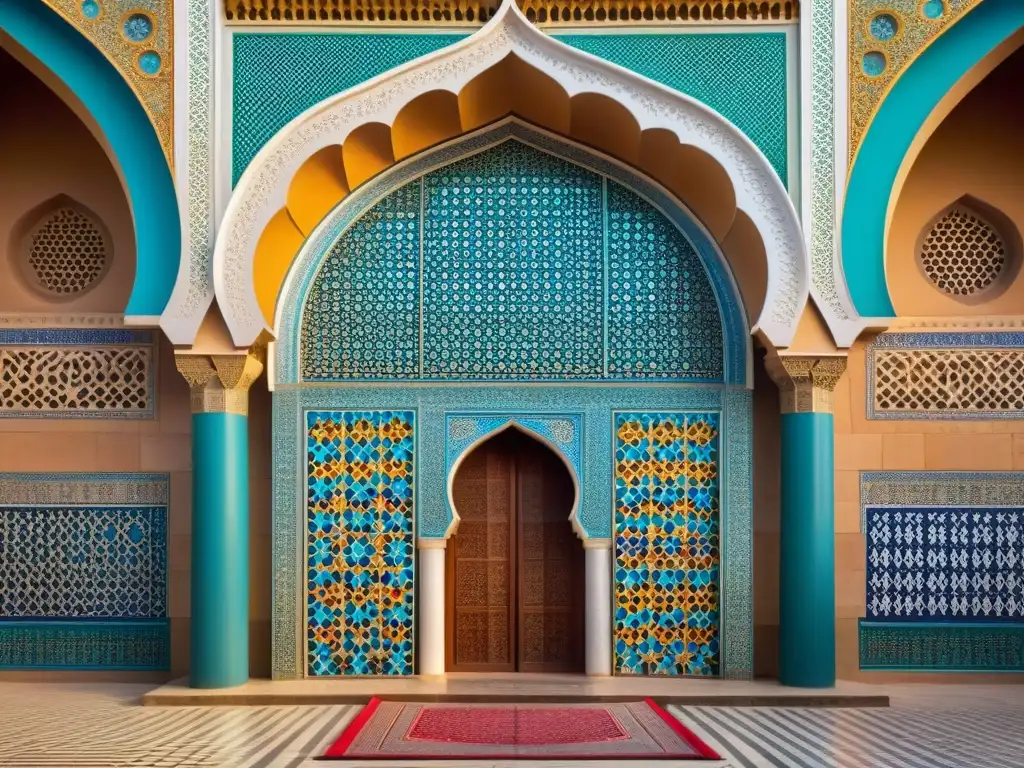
x: 527, y: 267
x: 277, y: 77
x: 359, y: 560
x: 742, y: 76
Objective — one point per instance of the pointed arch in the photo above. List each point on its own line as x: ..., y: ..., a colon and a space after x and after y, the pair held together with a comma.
x: 533, y: 434
x: 902, y: 123
x: 38, y: 37
x: 262, y: 189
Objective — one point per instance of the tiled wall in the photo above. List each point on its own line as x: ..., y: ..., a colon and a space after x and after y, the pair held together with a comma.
x: 920, y: 445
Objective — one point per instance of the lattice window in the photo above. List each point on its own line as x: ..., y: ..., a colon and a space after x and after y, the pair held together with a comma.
x: 75, y: 381
x: 67, y: 252
x: 479, y: 11
x: 948, y: 380
x: 963, y: 254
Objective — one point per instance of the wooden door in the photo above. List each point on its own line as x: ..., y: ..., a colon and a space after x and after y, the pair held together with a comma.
x: 551, y: 568
x: 480, y: 565
x: 515, y: 569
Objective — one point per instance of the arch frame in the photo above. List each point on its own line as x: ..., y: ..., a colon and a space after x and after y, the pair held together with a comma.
x: 290, y: 307
x: 122, y: 126
x: 901, y: 125
x: 490, y: 425
x: 262, y: 190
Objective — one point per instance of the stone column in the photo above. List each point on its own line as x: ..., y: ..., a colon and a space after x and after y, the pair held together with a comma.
x: 220, y: 516
x: 430, y: 597
x: 807, y: 601
x: 598, y: 606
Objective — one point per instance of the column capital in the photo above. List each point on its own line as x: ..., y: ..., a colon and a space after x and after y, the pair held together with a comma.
x: 220, y: 383
x: 806, y: 383
x: 430, y: 543
x: 597, y: 543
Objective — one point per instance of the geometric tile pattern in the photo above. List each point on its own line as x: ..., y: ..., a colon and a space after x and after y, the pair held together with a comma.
x: 76, y: 373
x: 277, y: 77
x: 742, y: 76
x: 74, y: 562
x: 955, y: 564
x: 526, y: 267
x: 84, y: 571
x: 941, y: 647
x: 663, y: 313
x: 369, y: 287
x: 666, y: 543
x: 359, y: 515
x: 512, y: 254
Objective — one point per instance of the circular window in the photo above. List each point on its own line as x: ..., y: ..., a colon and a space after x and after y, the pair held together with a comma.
x: 962, y: 254
x: 67, y: 252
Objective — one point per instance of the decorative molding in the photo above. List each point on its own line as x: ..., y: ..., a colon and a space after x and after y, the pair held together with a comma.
x: 940, y: 489
x: 220, y: 383
x: 537, y: 11
x: 137, y: 37
x: 886, y: 37
x: 953, y: 375
x: 193, y: 291
x: 51, y: 321
x: 293, y: 295
x: 971, y: 323
x: 806, y: 384
x: 263, y: 187
x: 77, y: 373
x: 96, y: 490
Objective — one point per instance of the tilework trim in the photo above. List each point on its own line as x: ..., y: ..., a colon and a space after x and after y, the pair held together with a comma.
x: 596, y: 405
x: 103, y: 489
x: 940, y: 489
x: 136, y: 646
x: 896, y: 647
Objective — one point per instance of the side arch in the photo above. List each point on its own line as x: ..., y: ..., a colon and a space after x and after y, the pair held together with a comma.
x: 30, y: 30
x: 513, y: 423
x: 896, y: 130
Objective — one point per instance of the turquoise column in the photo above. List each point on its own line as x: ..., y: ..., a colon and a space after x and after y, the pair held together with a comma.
x: 219, y: 642
x: 807, y: 602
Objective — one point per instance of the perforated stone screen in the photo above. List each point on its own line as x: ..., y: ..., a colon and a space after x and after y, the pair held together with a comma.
x: 963, y: 254
x: 67, y: 252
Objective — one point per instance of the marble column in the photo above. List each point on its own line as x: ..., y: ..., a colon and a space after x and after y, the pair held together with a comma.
x: 219, y: 642
x: 430, y: 597
x: 598, y: 606
x: 807, y: 602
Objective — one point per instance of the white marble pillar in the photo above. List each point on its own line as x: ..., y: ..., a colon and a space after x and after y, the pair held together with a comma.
x: 430, y: 606
x: 599, y: 606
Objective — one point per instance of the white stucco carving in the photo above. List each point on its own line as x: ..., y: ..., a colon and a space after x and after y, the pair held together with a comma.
x: 263, y: 188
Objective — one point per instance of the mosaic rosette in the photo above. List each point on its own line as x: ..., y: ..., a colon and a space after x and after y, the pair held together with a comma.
x: 666, y: 544
x: 359, y: 513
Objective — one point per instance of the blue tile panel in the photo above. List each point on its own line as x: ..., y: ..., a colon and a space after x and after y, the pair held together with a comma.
x: 742, y: 76
x: 667, y: 543
x: 277, y: 77
x: 359, y: 542
x: 958, y: 564
x: 524, y: 267
x: 84, y: 571
x: 928, y: 647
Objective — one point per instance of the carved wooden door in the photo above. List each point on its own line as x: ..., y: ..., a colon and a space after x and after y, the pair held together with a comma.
x: 514, y: 568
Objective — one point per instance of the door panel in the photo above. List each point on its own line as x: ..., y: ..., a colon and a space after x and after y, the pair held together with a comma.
x: 480, y: 584
x: 550, y: 566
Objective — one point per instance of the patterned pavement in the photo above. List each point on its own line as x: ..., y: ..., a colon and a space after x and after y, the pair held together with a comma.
x: 83, y: 725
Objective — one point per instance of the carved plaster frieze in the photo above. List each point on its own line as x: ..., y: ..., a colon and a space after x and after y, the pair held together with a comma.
x: 806, y: 384
x: 48, y: 320
x: 220, y: 383
x: 262, y: 190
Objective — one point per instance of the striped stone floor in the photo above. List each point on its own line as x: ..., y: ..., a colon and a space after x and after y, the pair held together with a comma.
x: 82, y: 725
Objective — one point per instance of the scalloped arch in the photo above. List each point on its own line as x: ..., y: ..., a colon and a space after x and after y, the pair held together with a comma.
x: 263, y: 188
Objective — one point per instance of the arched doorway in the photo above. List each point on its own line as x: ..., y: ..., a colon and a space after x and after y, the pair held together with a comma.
x: 515, y: 569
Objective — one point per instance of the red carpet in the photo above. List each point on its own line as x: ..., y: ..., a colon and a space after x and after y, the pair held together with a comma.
x: 638, y: 730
